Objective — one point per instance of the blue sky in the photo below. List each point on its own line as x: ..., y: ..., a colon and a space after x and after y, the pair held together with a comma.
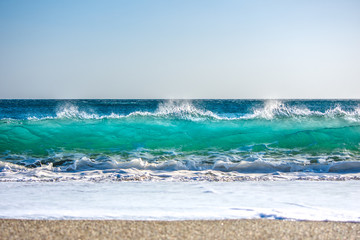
x: 179, y: 49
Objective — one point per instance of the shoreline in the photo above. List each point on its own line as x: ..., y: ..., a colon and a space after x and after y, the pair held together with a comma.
x: 189, y: 229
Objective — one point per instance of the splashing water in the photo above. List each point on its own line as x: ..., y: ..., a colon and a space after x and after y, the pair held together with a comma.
x: 226, y: 137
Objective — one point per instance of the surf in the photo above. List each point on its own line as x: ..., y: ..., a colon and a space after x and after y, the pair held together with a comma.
x: 244, y: 136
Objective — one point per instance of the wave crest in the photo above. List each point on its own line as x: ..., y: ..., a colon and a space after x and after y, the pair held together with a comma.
x: 278, y: 109
x: 72, y: 111
x: 182, y: 109
x: 185, y: 109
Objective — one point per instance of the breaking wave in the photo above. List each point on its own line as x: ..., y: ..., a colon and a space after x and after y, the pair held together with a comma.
x: 191, y: 138
x: 140, y: 170
x: 185, y: 109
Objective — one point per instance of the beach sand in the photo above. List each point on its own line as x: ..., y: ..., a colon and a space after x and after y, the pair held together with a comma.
x: 221, y: 229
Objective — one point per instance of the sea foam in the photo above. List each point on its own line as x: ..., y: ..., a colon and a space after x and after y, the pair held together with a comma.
x: 185, y: 109
x: 285, y: 200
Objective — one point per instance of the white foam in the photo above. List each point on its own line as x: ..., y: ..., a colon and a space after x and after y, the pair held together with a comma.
x: 274, y: 108
x: 184, y: 109
x: 109, y: 169
x: 293, y: 200
x: 277, y: 108
x: 72, y: 111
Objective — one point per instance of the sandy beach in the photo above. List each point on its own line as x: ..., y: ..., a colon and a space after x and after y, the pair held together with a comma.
x: 221, y: 229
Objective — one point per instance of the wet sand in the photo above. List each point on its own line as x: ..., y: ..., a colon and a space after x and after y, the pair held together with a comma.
x: 221, y: 229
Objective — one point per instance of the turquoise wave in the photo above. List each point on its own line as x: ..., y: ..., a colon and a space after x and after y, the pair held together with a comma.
x: 200, y: 135
x: 114, y: 136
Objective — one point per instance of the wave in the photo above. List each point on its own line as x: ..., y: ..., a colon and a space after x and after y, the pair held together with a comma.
x: 129, y: 134
x: 181, y: 109
x: 175, y: 161
x: 140, y: 170
x: 185, y: 109
x: 182, y: 135
x: 278, y: 109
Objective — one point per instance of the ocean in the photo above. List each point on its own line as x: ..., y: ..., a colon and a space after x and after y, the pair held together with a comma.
x: 180, y: 159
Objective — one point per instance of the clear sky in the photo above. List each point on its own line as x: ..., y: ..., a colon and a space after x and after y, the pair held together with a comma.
x: 179, y: 49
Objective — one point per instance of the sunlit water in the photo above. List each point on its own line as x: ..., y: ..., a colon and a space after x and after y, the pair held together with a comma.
x: 180, y: 159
